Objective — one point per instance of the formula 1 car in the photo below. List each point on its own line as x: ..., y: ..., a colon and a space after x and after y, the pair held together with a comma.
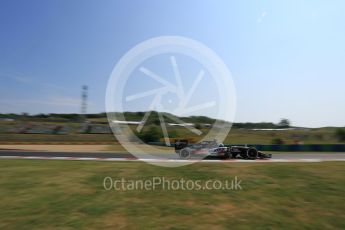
x: 213, y: 149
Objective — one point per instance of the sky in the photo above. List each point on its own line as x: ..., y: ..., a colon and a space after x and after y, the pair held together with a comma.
x: 287, y: 58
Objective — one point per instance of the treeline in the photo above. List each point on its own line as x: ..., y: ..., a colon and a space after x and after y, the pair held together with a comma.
x: 260, y: 125
x: 51, y: 116
x: 137, y: 116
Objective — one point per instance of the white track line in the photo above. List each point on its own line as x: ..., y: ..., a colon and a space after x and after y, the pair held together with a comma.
x: 173, y: 160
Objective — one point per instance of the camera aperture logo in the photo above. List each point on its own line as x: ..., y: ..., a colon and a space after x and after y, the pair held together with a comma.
x: 171, y: 78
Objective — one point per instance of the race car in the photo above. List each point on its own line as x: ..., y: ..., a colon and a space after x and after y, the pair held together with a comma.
x: 213, y: 149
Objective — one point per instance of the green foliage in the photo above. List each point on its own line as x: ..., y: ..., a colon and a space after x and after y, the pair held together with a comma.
x: 249, y: 125
x: 156, y: 122
x: 153, y: 119
x: 340, y: 134
x: 198, y: 119
x: 284, y: 123
x: 197, y: 126
x: 152, y: 134
x: 173, y: 133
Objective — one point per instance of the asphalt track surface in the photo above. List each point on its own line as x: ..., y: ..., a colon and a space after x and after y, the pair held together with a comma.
x: 279, y: 157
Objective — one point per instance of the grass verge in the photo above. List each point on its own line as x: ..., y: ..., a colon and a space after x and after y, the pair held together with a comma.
x: 38, y: 194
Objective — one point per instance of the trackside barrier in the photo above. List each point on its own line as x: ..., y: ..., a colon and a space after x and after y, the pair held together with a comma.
x: 303, y: 148
x: 288, y: 148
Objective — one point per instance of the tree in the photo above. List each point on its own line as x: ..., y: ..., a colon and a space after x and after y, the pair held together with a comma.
x: 151, y: 135
x: 340, y: 134
x: 156, y: 121
x: 197, y: 126
x: 284, y: 123
x: 140, y: 114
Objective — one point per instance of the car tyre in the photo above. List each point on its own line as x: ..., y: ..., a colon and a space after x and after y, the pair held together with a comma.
x: 184, y: 154
x: 226, y: 156
x: 252, y: 153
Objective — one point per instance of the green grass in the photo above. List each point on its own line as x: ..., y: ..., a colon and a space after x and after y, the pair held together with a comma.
x: 311, y: 136
x: 69, y: 195
x: 40, y: 138
x: 247, y: 136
